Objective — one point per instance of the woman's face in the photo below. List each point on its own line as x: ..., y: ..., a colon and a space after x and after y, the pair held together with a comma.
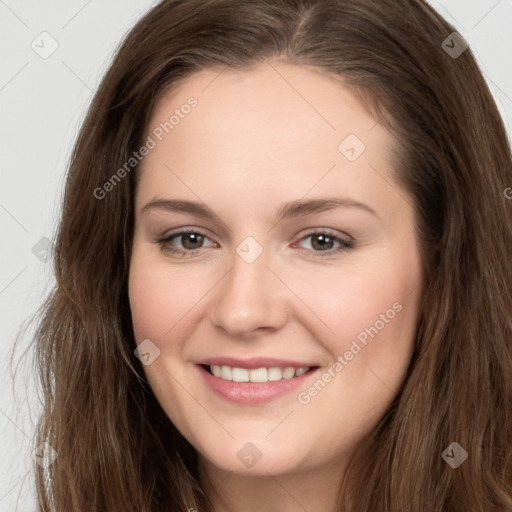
x: 301, y: 254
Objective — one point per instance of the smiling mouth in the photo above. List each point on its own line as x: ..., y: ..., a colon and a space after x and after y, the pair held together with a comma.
x: 270, y: 374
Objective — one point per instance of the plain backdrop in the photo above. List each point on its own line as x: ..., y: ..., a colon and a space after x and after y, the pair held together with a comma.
x: 43, y: 99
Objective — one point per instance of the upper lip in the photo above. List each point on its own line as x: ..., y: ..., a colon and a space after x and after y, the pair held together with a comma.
x: 253, y: 362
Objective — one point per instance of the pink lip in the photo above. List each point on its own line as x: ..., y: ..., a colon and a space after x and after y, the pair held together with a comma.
x: 253, y: 363
x: 252, y: 393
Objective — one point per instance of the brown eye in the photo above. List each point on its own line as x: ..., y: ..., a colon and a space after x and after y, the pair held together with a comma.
x: 322, y: 242
x: 191, y: 242
x: 325, y: 243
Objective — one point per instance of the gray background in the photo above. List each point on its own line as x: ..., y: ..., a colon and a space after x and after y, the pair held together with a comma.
x: 42, y: 102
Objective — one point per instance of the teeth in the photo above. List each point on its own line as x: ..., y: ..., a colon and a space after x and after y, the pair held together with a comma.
x: 225, y: 373
x: 240, y: 375
x: 300, y: 371
x: 288, y: 373
x: 256, y: 375
x: 274, y: 374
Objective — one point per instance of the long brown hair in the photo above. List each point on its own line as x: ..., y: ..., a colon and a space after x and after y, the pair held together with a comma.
x: 117, y: 450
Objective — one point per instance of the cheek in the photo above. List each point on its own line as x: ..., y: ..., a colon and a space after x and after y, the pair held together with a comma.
x: 146, y: 304
x: 368, y: 326
x: 366, y: 318
x: 346, y: 304
x: 158, y: 299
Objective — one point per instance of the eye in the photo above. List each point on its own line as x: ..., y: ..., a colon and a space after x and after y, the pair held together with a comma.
x: 327, y: 243
x: 191, y: 243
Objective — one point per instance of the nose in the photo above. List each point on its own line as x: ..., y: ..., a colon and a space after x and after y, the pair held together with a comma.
x: 250, y: 299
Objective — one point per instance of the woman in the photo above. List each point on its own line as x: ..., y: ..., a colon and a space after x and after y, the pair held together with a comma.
x: 340, y: 338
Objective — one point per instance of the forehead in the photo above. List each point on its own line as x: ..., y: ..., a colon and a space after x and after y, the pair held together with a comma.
x: 263, y: 130
x: 271, y: 91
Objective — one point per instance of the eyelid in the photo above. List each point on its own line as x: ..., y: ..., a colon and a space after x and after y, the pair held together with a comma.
x: 327, y: 231
x: 183, y: 230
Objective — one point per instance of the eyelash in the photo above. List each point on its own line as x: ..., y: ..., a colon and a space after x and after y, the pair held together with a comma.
x: 345, y: 245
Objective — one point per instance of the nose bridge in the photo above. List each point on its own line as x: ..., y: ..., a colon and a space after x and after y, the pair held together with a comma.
x: 248, y: 297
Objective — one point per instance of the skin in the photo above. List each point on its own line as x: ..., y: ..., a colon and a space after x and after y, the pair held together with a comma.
x: 257, y: 139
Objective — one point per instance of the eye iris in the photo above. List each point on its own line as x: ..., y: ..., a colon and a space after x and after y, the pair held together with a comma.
x: 196, y: 238
x: 324, y: 240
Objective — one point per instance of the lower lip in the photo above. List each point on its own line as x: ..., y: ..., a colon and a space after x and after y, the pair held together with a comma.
x: 253, y: 393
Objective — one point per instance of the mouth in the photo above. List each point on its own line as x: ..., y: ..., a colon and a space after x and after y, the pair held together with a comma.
x: 256, y: 385
x: 263, y: 374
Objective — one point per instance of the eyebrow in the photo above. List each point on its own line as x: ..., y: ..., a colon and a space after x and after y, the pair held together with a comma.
x: 293, y: 209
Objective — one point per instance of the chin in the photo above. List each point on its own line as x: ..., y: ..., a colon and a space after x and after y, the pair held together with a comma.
x: 256, y: 458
